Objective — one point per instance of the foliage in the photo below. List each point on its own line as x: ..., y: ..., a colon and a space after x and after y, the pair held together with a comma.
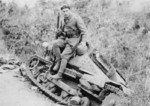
x: 123, y: 39
x: 26, y: 29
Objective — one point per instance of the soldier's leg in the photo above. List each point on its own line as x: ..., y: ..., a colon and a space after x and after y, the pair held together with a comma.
x: 59, y: 43
x: 67, y: 53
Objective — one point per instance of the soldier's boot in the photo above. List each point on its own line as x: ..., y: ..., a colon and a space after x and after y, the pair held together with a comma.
x: 56, y: 67
x: 57, y: 54
x: 61, y: 69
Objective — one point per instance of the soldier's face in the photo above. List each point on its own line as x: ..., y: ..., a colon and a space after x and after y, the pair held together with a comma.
x: 66, y: 12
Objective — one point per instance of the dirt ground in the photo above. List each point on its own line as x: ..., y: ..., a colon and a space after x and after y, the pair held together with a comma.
x: 15, y: 92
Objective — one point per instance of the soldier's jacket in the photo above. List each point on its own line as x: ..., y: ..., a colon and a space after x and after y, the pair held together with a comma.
x: 74, y: 28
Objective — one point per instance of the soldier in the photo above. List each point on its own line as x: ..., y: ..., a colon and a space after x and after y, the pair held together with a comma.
x: 71, y: 31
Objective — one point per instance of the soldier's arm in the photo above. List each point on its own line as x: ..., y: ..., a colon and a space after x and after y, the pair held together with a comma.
x: 82, y: 28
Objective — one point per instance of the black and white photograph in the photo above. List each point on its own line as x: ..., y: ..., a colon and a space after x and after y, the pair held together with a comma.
x: 74, y: 52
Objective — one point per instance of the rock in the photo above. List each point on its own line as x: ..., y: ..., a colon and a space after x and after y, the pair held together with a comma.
x: 22, y: 69
x: 112, y: 102
x: 3, y: 71
x: 23, y: 79
x: 75, y: 100
x: 2, y: 61
x: 8, y: 67
x: 23, y: 66
x: 13, y: 61
x: 16, y: 70
x: 34, y: 88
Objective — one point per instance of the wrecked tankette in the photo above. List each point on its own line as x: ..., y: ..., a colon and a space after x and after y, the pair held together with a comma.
x: 86, y: 80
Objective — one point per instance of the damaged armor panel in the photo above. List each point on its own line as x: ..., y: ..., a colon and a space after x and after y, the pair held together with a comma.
x: 84, y: 83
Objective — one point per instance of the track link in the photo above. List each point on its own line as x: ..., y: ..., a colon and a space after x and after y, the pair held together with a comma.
x: 50, y: 94
x: 38, y: 84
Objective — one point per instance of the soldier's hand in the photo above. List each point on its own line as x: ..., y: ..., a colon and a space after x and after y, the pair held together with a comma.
x: 58, y: 33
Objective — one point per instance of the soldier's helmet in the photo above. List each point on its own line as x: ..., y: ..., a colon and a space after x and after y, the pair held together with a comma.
x: 82, y: 49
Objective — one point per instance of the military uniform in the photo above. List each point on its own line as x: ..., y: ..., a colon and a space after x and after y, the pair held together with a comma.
x: 74, y: 29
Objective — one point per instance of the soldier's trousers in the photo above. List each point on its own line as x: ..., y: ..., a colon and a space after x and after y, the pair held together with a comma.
x: 67, y: 45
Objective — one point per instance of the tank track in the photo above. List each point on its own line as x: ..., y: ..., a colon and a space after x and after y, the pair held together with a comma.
x: 39, y: 58
x: 38, y: 72
x: 47, y: 83
x: 57, y: 90
x: 50, y: 94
